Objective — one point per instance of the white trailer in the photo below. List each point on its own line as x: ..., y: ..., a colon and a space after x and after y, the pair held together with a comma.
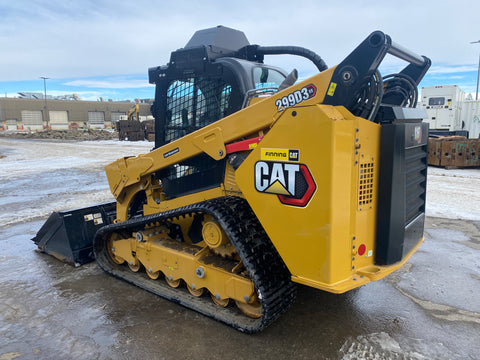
x: 443, y: 104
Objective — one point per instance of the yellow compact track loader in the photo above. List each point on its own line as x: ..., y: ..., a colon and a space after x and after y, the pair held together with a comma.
x: 258, y: 181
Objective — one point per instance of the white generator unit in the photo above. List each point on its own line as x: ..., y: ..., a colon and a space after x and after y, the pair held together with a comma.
x: 443, y: 104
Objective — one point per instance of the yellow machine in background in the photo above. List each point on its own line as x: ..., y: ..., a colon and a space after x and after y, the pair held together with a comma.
x: 133, y: 113
x: 257, y: 181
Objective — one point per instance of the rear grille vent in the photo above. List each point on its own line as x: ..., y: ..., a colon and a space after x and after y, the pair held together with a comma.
x: 415, y: 181
x: 365, y: 188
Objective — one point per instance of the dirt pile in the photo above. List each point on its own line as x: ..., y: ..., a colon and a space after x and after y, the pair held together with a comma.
x: 82, y: 135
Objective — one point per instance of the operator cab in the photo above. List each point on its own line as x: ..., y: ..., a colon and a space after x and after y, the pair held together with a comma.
x: 194, y: 98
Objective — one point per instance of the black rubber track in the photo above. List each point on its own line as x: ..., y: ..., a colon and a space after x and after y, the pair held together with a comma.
x: 265, y: 267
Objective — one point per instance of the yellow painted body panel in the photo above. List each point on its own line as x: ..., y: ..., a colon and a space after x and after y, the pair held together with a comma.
x: 319, y: 242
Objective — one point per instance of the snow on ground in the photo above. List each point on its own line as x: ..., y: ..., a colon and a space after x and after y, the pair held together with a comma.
x: 41, y: 176
x: 26, y: 157
x: 454, y: 193
x: 53, y: 176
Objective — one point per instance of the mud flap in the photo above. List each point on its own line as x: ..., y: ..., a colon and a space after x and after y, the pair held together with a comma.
x: 68, y: 235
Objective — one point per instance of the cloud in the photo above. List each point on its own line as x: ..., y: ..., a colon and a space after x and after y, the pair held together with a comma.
x: 84, y: 44
x: 452, y: 69
x: 455, y: 77
x: 88, y: 38
x: 107, y: 84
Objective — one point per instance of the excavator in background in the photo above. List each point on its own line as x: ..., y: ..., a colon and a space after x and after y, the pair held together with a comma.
x: 129, y: 126
x: 258, y: 181
x: 133, y: 113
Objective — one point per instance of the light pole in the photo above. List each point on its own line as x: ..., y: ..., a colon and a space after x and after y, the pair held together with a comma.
x: 45, y: 98
x: 478, y: 71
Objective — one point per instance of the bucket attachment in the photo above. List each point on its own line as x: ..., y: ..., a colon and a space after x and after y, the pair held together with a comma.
x: 68, y: 235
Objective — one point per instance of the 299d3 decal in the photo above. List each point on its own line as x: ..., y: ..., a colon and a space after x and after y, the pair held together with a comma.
x: 296, y: 97
x: 292, y: 183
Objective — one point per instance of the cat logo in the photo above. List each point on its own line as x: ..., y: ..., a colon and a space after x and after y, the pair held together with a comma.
x: 418, y: 134
x: 293, y: 183
x: 276, y: 178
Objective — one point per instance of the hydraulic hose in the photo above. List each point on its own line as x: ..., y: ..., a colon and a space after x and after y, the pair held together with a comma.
x: 293, y: 50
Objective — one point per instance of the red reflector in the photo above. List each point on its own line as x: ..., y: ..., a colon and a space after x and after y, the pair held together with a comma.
x: 361, y: 249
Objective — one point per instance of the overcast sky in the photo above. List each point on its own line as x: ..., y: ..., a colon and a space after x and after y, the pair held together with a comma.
x: 104, y: 47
